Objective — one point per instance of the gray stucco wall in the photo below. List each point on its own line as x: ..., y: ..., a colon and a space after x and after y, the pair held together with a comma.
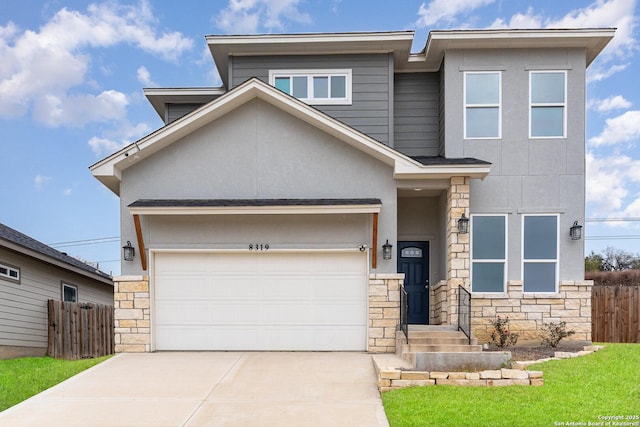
x: 23, y: 306
x: 528, y: 176
x: 369, y: 112
x: 416, y: 114
x: 259, y: 151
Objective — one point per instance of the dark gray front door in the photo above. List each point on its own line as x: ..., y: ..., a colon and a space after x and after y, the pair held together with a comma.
x: 413, y: 261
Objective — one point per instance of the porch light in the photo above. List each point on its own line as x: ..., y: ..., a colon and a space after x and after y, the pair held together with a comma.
x: 128, y: 251
x: 386, y: 250
x: 463, y: 224
x: 575, y: 231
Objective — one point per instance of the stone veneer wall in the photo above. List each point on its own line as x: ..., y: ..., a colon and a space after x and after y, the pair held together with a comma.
x: 528, y: 312
x: 384, y: 311
x: 132, y: 314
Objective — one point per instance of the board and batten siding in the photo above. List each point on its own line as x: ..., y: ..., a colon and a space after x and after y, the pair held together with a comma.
x: 369, y: 112
x: 23, y: 306
x: 416, y: 114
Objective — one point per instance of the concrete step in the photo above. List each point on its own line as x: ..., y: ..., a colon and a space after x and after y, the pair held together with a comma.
x: 437, y: 334
x: 438, y: 340
x: 443, y: 348
x: 458, y: 361
x: 432, y: 328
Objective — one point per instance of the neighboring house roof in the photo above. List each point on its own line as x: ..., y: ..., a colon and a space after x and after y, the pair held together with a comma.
x: 109, y: 170
x: 19, y: 242
x: 439, y: 160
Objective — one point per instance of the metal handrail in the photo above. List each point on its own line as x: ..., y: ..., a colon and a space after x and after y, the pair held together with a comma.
x: 404, y: 308
x: 464, y: 312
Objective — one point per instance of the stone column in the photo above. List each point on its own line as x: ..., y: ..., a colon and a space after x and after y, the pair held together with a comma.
x: 384, y: 311
x: 458, y: 249
x: 132, y: 314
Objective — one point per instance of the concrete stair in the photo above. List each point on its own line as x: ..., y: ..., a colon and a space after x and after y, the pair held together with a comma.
x: 445, y: 348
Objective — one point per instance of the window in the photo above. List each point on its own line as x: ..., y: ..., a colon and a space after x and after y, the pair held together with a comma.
x: 488, y: 252
x: 10, y: 273
x: 314, y: 86
x: 69, y: 293
x: 482, y: 99
x: 540, y: 253
x: 548, y: 94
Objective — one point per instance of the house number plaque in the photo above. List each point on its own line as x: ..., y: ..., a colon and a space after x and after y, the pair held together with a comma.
x: 258, y: 246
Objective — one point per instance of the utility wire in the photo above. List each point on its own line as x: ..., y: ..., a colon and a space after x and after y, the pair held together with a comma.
x: 85, y: 242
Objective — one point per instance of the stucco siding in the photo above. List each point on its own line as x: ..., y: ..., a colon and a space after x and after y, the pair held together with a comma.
x: 259, y: 152
x: 23, y: 306
x: 369, y: 111
x: 416, y: 114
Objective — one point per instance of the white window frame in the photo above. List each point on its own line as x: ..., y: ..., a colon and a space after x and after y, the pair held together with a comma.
x: 8, y: 273
x: 548, y: 104
x: 556, y: 260
x: 505, y: 261
x: 489, y: 105
x: 310, y: 74
x: 67, y: 285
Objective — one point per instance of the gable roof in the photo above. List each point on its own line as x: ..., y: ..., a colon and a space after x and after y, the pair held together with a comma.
x: 19, y: 242
x: 109, y: 170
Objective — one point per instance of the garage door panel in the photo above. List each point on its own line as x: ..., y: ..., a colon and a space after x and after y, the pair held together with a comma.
x: 260, y: 301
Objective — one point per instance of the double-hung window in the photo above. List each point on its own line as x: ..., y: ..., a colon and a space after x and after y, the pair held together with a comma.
x: 10, y: 273
x: 540, y: 253
x: 482, y: 105
x: 488, y: 253
x: 548, y: 104
x: 314, y: 86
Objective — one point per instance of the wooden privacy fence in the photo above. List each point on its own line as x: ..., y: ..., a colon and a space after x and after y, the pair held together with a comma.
x: 615, y: 314
x: 79, y: 330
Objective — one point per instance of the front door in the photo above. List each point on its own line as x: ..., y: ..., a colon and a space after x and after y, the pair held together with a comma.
x: 413, y: 261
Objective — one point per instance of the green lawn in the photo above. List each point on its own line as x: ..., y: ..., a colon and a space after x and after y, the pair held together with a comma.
x: 23, y: 378
x: 579, y: 390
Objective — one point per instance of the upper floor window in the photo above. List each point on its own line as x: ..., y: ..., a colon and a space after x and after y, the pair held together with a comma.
x: 482, y: 105
x: 540, y: 253
x: 548, y: 97
x: 314, y: 86
x: 9, y: 272
x: 69, y: 293
x: 488, y: 253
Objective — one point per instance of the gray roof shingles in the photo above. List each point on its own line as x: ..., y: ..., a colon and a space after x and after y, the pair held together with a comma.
x: 163, y: 203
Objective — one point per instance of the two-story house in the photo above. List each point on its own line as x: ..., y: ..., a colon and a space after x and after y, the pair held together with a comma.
x: 290, y: 208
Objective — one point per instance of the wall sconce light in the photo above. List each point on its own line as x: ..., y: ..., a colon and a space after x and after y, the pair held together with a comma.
x: 128, y: 251
x: 463, y: 224
x: 575, y: 231
x: 386, y: 250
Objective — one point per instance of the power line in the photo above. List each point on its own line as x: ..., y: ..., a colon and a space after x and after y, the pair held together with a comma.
x: 629, y: 237
x: 627, y: 219
x: 95, y: 241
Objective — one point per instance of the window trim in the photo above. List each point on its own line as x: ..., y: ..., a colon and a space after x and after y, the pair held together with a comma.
x: 490, y: 105
x: 505, y: 261
x: 548, y: 104
x: 547, y: 260
x: 68, y: 285
x: 310, y: 73
x: 7, y: 276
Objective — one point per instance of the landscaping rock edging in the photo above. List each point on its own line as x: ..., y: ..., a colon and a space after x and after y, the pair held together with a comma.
x: 396, y: 378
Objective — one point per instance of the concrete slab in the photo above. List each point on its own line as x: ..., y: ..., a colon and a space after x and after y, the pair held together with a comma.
x: 212, y: 389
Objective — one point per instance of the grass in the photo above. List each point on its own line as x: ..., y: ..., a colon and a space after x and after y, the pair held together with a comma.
x: 25, y: 377
x: 579, y: 390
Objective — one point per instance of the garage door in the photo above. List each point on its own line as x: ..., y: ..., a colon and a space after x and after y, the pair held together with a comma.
x: 260, y: 301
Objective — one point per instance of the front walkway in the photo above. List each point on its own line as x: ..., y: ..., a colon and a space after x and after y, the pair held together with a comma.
x: 212, y: 389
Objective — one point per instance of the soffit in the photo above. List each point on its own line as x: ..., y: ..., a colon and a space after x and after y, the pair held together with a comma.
x: 160, y: 97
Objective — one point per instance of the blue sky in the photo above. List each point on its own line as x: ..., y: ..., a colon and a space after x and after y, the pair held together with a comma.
x: 72, y: 73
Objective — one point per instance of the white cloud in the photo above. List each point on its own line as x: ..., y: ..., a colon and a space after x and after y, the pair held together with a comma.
x: 520, y: 20
x: 623, y: 128
x: 144, y: 77
x: 249, y: 16
x: 40, y: 68
x: 599, y: 72
x: 67, y: 192
x: 439, y: 11
x: 609, y: 182
x: 114, y: 140
x: 617, y: 102
x: 40, y: 180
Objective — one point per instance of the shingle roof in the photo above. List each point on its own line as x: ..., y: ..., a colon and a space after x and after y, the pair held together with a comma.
x: 439, y: 160
x: 13, y: 236
x: 161, y: 203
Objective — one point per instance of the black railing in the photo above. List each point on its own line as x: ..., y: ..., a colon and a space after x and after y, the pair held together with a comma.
x: 404, y: 308
x: 464, y: 312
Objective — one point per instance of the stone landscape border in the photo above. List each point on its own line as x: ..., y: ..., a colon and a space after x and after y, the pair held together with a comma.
x: 396, y: 378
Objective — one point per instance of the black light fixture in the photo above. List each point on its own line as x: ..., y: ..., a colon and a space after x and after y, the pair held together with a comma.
x: 386, y: 250
x: 463, y: 224
x: 128, y: 251
x: 575, y: 231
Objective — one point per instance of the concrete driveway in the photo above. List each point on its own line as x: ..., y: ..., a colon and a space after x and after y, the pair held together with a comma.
x: 212, y: 389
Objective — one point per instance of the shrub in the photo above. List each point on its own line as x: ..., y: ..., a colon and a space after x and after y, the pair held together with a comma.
x: 553, y: 332
x: 501, y: 336
x: 614, y: 278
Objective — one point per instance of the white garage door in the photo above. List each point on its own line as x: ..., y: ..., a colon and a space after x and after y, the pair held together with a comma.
x: 260, y: 301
